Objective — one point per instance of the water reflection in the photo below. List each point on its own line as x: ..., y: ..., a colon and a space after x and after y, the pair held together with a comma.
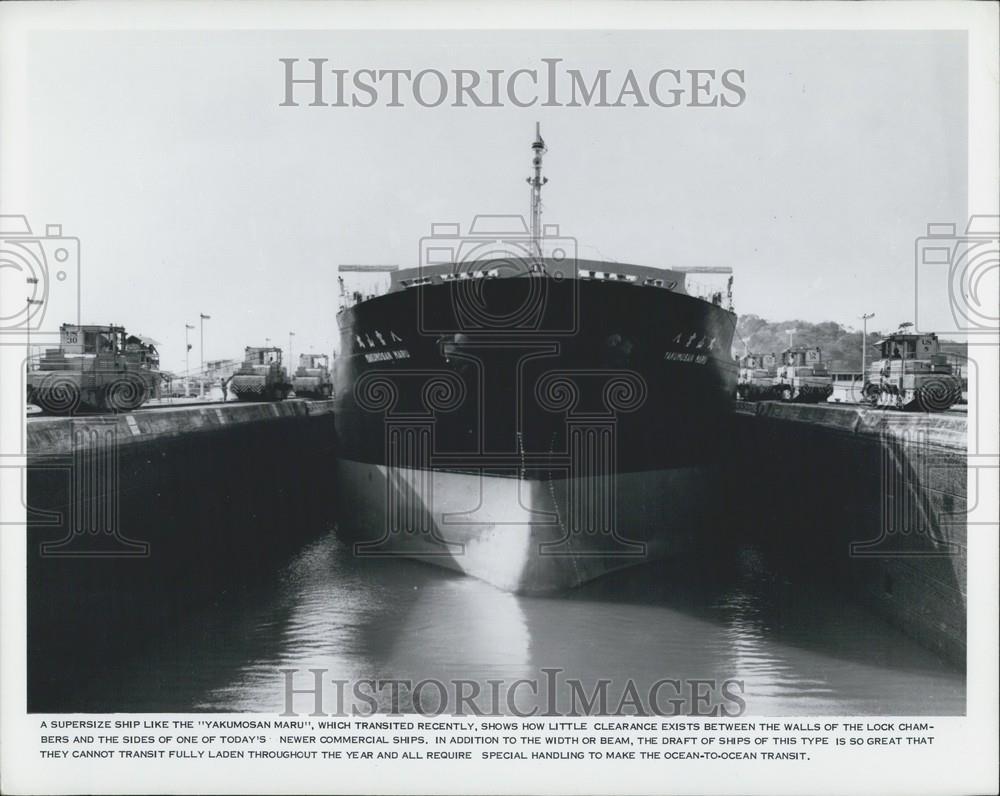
x: 799, y: 648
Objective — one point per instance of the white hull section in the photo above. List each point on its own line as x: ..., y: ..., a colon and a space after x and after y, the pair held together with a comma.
x: 520, y: 534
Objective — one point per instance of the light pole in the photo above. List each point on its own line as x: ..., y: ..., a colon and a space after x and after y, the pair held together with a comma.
x: 201, y: 341
x: 864, y: 346
x: 31, y: 280
x: 201, y: 337
x: 791, y: 337
x: 290, y: 336
x: 31, y: 302
x: 187, y: 360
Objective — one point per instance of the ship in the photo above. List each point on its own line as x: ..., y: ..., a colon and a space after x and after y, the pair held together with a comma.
x: 515, y: 412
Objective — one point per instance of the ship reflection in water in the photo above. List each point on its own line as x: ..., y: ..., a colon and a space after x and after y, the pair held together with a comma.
x: 799, y: 649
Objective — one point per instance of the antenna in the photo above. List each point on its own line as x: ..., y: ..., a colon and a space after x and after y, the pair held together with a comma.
x: 536, y: 182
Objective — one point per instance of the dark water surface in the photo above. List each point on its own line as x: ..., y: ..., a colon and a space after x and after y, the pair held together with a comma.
x: 798, y: 645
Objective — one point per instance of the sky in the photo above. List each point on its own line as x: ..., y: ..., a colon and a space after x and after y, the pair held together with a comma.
x: 193, y: 191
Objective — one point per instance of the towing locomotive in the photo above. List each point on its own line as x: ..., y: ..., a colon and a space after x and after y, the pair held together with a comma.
x: 757, y: 377
x: 261, y: 377
x: 312, y: 378
x: 802, y: 376
x: 912, y: 373
x: 97, y: 368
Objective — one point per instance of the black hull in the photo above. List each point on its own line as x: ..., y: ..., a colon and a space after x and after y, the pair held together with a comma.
x: 535, y: 448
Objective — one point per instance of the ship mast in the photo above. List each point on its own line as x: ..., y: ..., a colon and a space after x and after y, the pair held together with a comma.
x: 536, y: 182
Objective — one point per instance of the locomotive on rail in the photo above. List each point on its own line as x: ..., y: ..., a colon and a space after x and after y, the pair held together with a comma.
x: 97, y: 368
x: 261, y: 377
x: 312, y: 378
x: 912, y: 373
x: 801, y: 376
x: 757, y: 377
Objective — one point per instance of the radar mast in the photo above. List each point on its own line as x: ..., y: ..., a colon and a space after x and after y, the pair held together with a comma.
x: 538, y: 149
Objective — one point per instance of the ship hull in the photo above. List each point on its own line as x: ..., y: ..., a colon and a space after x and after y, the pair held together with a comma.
x: 538, y: 456
x: 511, y: 531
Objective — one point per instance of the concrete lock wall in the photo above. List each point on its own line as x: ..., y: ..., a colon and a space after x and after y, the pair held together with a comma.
x: 873, y: 500
x: 137, y: 519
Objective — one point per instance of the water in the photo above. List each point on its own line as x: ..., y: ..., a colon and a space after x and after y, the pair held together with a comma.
x: 799, y: 647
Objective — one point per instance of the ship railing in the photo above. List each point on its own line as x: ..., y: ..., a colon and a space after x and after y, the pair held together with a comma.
x: 354, y: 298
x: 619, y: 276
x: 459, y: 276
x: 685, y: 285
x: 417, y: 281
x: 608, y: 275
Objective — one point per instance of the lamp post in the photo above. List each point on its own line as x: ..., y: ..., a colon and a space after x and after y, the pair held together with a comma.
x: 187, y: 360
x: 201, y: 337
x: 864, y: 346
x: 791, y: 337
x: 28, y: 330
x: 201, y: 341
x: 31, y: 280
x: 290, y: 336
x: 35, y: 302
